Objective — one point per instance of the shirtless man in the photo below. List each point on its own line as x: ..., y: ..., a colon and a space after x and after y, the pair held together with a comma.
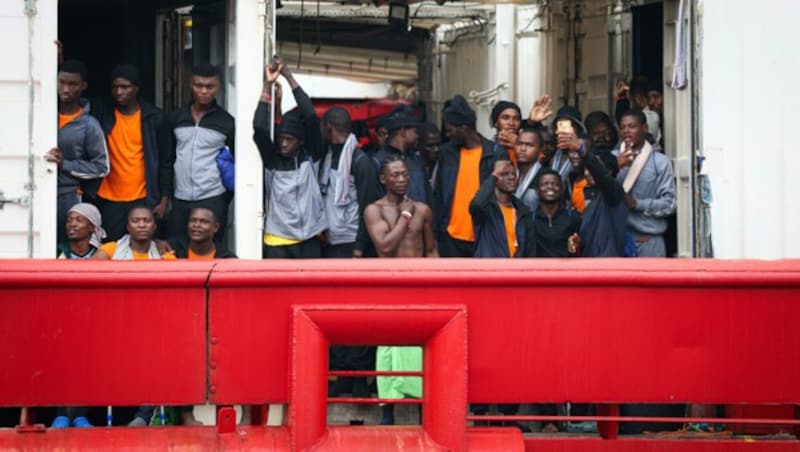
x: 397, y: 225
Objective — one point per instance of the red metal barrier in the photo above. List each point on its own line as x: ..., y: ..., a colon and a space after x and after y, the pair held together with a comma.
x: 630, y: 330
x: 99, y: 333
x: 602, y: 331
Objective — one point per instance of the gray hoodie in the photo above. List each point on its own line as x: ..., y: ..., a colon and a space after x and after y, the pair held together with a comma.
x: 83, y: 145
x: 654, y: 192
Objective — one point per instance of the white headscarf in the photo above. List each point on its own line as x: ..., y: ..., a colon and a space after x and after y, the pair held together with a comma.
x: 91, y: 213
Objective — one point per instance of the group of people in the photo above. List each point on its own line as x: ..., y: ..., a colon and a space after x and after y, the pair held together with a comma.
x: 593, y: 188
x: 572, y: 189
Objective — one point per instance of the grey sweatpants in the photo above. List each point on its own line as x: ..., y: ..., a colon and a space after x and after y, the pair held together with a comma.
x: 649, y: 245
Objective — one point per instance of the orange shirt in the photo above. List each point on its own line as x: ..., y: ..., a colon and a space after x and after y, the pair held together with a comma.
x: 125, y: 182
x: 578, y: 200
x: 510, y: 219
x: 111, y: 247
x: 65, y: 119
x: 204, y: 257
x: 468, y: 182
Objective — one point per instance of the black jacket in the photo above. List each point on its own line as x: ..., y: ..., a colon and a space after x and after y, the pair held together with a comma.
x: 605, y: 218
x: 552, y: 233
x: 216, y: 121
x: 181, y: 248
x: 156, y: 141
x: 490, y: 228
x: 450, y: 156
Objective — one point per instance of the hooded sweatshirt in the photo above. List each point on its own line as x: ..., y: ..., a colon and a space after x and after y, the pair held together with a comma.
x: 83, y: 145
x: 295, y: 208
x: 654, y: 192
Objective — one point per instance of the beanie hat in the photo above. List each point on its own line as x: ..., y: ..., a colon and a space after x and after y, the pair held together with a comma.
x: 292, y: 124
x: 499, y: 107
x: 459, y: 112
x: 128, y: 72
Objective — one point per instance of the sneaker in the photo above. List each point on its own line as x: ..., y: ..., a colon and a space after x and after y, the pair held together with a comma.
x: 60, y: 422
x: 81, y: 422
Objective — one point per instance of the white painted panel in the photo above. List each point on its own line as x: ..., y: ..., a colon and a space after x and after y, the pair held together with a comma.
x: 248, y: 61
x: 748, y: 115
x: 321, y: 87
x: 14, y: 109
x: 462, y: 51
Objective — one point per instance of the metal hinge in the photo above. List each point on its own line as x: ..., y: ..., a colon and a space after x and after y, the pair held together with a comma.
x: 23, y: 201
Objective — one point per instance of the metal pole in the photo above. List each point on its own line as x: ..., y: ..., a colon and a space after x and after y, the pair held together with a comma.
x: 30, y: 11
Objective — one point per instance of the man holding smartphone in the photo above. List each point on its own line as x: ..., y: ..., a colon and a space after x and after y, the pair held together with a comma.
x: 649, y: 184
x: 567, y: 122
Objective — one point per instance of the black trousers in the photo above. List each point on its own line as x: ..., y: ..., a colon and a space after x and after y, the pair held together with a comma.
x: 307, y: 249
x: 450, y: 247
x: 342, y: 250
x: 179, y: 215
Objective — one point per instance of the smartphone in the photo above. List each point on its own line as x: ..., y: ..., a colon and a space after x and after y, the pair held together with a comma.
x: 564, y: 125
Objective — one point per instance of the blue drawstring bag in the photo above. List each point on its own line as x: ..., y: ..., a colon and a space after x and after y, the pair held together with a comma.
x: 227, y: 169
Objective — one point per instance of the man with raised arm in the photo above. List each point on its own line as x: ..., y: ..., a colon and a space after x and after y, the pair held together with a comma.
x: 296, y: 211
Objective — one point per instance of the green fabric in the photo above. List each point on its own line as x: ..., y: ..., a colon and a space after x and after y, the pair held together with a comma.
x: 397, y: 359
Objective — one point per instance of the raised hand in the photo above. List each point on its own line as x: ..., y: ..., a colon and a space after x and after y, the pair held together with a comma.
x: 625, y: 156
x: 507, y: 139
x: 542, y: 109
x: 273, y: 70
x: 568, y: 141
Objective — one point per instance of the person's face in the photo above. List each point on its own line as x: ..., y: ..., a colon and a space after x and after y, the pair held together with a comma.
x: 508, y: 120
x: 455, y: 133
x: 527, y: 147
x: 70, y: 87
x: 548, y: 144
x: 78, y: 227
x: 204, y: 89
x: 549, y: 188
x: 429, y: 147
x: 288, y: 145
x: 506, y: 176
x: 141, y: 224
x: 632, y: 131
x: 655, y: 100
x: 326, y: 130
x: 601, y: 135
x: 640, y: 100
x: 395, y: 177
x: 202, y: 226
x: 410, y: 137
x: 576, y: 161
x: 382, y: 134
x: 123, y: 91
